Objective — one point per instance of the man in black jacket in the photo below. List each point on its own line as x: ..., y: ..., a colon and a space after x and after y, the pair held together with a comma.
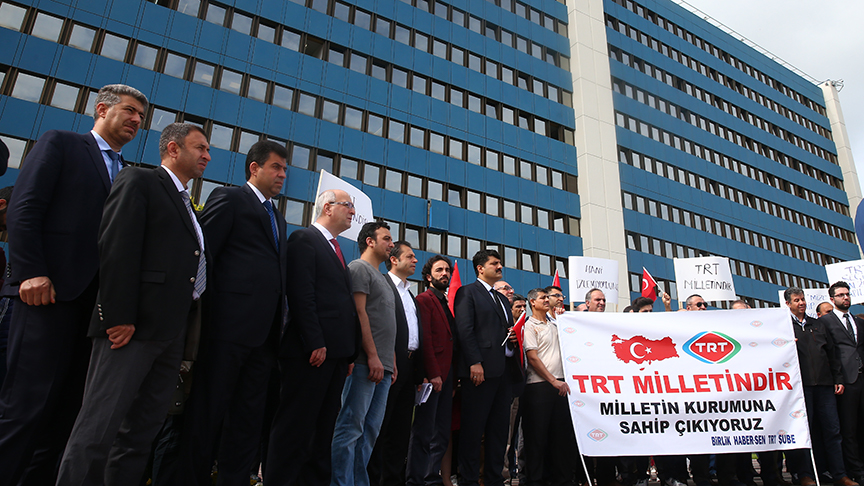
x: 820, y: 376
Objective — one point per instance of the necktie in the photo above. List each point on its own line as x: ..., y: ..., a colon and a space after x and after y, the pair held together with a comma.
x: 115, y: 164
x: 269, y: 207
x: 201, y: 277
x: 849, y: 327
x: 338, y: 251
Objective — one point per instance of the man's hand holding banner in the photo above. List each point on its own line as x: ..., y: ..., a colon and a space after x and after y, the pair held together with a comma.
x: 684, y: 382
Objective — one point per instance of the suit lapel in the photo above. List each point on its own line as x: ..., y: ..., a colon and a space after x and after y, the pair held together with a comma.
x: 176, y: 200
x: 493, y: 301
x: 263, y: 217
x: 97, y: 159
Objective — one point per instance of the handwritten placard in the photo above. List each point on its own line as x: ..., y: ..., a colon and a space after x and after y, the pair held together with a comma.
x: 362, y: 203
x: 850, y: 272
x: 587, y: 273
x: 813, y: 297
x: 709, y: 277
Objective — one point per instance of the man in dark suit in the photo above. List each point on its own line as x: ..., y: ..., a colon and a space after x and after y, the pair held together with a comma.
x: 152, y: 276
x: 53, y: 229
x: 247, y: 245
x: 845, y: 330
x: 821, y: 379
x: 387, y: 464
x: 430, y: 433
x: 319, y: 342
x: 487, y: 369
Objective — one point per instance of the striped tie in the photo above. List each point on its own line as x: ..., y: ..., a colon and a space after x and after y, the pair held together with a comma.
x: 201, y: 277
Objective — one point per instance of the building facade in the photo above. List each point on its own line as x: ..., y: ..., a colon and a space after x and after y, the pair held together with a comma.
x: 614, y: 129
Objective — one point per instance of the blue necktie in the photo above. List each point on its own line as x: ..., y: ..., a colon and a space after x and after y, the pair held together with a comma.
x: 269, y: 207
x: 115, y: 164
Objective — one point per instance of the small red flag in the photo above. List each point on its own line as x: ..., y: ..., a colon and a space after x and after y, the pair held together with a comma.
x: 555, y: 281
x: 455, y: 283
x: 649, y: 285
x: 519, y: 330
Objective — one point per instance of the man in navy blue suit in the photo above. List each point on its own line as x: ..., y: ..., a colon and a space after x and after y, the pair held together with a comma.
x: 246, y: 239
x: 319, y: 343
x: 53, y: 228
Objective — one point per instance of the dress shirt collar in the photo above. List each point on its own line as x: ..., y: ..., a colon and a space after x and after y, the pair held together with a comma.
x: 401, y: 285
x: 103, y: 145
x: 180, y: 187
x: 839, y: 315
x: 802, y: 322
x: 488, y: 287
x: 323, y: 230
x: 261, y: 197
x: 437, y: 293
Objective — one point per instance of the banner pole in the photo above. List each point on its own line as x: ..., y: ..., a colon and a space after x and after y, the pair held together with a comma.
x: 584, y: 466
x: 815, y: 471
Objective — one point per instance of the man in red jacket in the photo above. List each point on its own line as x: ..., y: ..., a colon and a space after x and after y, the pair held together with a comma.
x: 431, y: 430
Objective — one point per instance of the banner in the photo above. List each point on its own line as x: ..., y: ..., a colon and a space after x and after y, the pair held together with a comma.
x: 699, y: 382
x: 813, y: 297
x: 850, y: 272
x: 362, y: 203
x: 709, y: 277
x: 587, y: 273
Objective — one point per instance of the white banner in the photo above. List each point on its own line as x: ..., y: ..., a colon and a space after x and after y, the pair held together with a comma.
x: 813, y: 297
x: 362, y: 203
x: 700, y: 382
x: 587, y: 273
x: 850, y: 272
x: 709, y: 277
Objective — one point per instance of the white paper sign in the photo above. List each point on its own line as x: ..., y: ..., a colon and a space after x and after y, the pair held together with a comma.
x: 587, y: 273
x: 701, y: 382
x: 813, y: 297
x: 709, y: 277
x: 850, y: 272
x: 362, y: 203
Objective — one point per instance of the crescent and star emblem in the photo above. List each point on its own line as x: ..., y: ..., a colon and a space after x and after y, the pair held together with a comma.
x: 633, y: 350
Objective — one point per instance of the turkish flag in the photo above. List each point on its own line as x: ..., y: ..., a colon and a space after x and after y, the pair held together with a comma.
x: 555, y: 281
x: 639, y: 349
x: 649, y: 285
x: 455, y: 283
x: 519, y: 330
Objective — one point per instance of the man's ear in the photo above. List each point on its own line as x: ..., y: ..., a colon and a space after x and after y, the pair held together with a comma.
x: 2, y: 205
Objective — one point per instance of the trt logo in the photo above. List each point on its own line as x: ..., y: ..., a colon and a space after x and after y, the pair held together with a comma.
x: 712, y: 347
x: 597, y: 435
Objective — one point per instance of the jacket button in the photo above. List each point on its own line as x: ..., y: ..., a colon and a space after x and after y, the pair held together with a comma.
x: 197, y: 253
x: 192, y: 279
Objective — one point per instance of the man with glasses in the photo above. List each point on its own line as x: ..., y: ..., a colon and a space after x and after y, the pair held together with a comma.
x: 505, y: 289
x: 557, y: 301
x: 318, y: 344
x: 845, y: 329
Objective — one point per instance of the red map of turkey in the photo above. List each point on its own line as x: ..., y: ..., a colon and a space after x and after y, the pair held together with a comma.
x: 639, y: 350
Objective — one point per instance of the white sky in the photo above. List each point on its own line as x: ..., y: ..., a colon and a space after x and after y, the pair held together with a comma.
x: 823, y: 38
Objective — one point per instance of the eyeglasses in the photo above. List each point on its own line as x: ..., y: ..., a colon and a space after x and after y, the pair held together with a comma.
x: 557, y: 296
x: 846, y: 294
x: 701, y: 304
x: 505, y: 288
x: 347, y: 204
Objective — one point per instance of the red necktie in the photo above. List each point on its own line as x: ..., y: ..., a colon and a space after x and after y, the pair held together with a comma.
x: 338, y: 251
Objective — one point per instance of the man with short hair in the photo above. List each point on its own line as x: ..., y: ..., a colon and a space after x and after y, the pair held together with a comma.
x: 364, y: 398
x: 387, y: 464
x: 823, y: 308
x: 487, y: 369
x: 153, y: 272
x: 54, y: 263
x: 595, y: 300
x: 246, y: 240
x: 518, y: 306
x: 506, y: 289
x: 695, y: 303
x: 845, y: 329
x: 642, y: 304
x: 557, y: 300
x: 740, y: 304
x: 318, y: 344
x: 430, y: 432
x: 821, y: 379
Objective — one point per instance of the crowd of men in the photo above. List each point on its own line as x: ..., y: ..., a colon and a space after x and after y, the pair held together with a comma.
x: 150, y: 342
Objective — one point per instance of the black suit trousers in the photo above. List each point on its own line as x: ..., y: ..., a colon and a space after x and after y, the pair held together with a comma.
x: 485, y: 411
x: 299, y: 449
x: 227, y: 395
x: 850, y: 406
x: 550, y: 442
x: 48, y: 353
